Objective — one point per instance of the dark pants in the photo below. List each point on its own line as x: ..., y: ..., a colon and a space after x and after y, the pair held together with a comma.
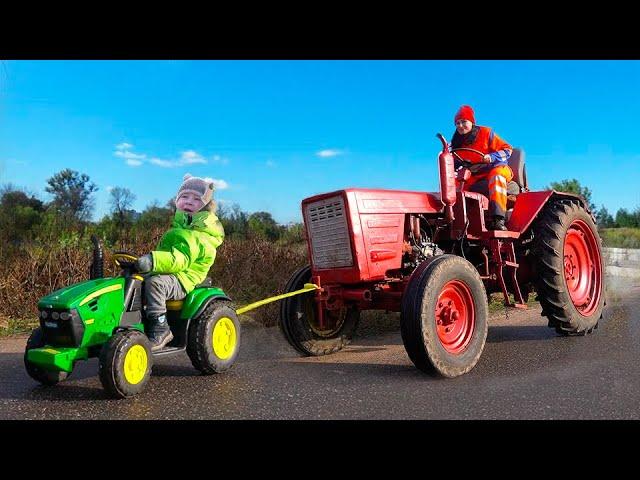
x: 157, y: 290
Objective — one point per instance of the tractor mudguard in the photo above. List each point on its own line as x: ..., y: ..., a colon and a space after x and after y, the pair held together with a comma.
x: 198, y: 299
x: 529, y: 204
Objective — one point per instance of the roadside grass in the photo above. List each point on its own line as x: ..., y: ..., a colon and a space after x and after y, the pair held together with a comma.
x: 16, y: 326
x: 620, y: 237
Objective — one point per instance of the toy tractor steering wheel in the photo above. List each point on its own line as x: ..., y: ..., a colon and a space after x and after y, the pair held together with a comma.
x: 124, y: 260
x: 466, y: 163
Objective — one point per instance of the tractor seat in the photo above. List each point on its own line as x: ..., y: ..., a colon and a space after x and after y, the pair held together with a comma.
x: 174, y: 305
x: 519, y: 181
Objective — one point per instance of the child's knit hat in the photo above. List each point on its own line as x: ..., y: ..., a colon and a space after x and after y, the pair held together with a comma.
x: 202, y: 187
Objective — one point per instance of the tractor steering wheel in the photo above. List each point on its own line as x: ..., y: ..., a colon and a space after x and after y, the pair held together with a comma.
x: 466, y: 163
x: 124, y: 260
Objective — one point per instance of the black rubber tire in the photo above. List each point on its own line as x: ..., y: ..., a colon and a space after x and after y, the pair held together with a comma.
x: 111, y: 365
x: 549, y: 231
x: 39, y: 374
x: 294, y: 321
x: 418, y: 326
x: 200, y: 345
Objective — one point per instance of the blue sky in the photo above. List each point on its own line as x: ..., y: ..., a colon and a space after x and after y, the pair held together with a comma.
x: 274, y: 132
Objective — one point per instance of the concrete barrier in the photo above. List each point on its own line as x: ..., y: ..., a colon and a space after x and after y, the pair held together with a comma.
x: 622, y: 262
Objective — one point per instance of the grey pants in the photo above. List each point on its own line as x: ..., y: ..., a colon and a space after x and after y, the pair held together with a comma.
x: 157, y: 290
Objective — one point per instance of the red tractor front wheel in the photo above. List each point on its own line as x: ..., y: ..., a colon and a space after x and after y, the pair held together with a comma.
x: 299, y: 320
x: 569, y: 268
x: 444, y: 316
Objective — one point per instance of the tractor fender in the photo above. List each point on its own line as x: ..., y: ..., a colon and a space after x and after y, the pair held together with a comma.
x: 529, y: 204
x: 205, y: 303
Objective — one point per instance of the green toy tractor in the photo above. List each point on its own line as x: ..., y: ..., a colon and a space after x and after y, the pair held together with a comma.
x: 103, y: 317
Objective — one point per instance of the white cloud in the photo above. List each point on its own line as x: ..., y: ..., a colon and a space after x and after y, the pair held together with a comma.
x: 189, y: 157
x: 131, y: 159
x: 109, y: 188
x: 163, y: 163
x: 220, y: 184
x: 219, y: 160
x: 328, y: 153
x: 270, y: 164
x: 129, y: 155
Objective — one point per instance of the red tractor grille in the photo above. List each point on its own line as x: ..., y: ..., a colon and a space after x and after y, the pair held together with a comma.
x: 326, y: 222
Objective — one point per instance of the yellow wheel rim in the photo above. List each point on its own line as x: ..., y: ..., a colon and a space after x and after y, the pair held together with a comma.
x: 135, y: 364
x: 224, y: 338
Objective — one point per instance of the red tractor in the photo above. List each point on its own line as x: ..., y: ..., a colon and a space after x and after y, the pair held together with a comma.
x: 430, y: 257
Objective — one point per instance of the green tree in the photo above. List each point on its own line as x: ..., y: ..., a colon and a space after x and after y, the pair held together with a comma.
x: 72, y: 195
x: 263, y: 225
x: 293, y: 233
x: 234, y: 221
x: 154, y: 216
x: 624, y: 218
x: 604, y: 218
x: 573, y: 186
x: 20, y: 214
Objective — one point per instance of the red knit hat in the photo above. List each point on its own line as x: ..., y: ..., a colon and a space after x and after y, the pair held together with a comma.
x: 465, y: 113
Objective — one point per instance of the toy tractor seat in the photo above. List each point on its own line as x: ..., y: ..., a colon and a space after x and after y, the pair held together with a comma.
x: 176, y: 305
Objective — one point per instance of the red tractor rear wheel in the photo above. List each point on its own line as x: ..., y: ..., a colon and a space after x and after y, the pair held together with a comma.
x: 444, y: 316
x: 569, y: 267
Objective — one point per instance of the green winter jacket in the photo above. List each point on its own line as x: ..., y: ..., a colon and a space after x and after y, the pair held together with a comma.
x: 189, y: 248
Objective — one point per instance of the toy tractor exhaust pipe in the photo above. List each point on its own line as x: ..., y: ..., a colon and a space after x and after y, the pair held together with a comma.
x: 97, y: 266
x: 447, y: 179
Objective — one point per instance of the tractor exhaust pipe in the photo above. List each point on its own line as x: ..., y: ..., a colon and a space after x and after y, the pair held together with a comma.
x: 447, y: 180
x: 97, y: 266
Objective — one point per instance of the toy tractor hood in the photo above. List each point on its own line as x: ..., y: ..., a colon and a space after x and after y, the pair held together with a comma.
x: 81, y: 293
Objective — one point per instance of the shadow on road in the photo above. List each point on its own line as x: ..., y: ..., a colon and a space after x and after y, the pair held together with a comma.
x: 518, y: 333
x: 64, y: 392
x: 355, y: 372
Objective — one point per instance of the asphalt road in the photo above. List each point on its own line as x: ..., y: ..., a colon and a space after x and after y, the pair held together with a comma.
x: 526, y: 372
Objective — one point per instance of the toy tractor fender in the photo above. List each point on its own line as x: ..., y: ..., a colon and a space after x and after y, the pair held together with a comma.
x: 197, y: 300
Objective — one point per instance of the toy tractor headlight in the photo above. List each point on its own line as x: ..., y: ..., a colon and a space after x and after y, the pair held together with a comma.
x: 65, y: 315
x: 44, y: 314
x: 55, y: 315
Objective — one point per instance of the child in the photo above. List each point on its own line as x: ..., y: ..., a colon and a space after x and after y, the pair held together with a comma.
x: 490, y: 173
x: 183, y: 257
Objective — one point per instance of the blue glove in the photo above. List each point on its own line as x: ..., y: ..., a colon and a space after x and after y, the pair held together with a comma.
x: 144, y: 263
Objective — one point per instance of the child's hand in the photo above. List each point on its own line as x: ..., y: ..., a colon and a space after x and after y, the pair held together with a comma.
x: 144, y: 263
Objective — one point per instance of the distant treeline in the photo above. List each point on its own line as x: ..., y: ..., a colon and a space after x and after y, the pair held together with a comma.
x: 24, y: 218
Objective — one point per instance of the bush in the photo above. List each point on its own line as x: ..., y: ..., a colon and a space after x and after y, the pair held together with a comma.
x: 620, y: 237
x: 247, y: 270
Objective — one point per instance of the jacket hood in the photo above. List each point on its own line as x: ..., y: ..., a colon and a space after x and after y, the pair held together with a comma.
x: 204, y: 221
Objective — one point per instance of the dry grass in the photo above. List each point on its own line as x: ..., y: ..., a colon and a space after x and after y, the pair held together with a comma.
x: 247, y: 270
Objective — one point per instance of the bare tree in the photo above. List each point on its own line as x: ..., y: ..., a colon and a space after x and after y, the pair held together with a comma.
x: 121, y: 202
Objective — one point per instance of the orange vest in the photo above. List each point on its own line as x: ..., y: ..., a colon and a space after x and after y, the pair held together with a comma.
x: 485, y: 141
